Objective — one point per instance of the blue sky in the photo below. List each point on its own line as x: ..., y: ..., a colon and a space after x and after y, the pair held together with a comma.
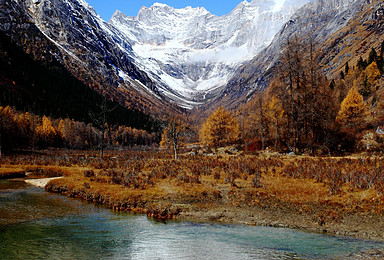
x: 105, y: 8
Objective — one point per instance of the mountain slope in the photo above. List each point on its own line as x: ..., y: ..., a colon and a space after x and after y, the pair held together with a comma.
x: 47, y: 88
x: 186, y: 56
x: 72, y: 33
x: 321, y: 21
x: 192, y: 53
x: 362, y: 33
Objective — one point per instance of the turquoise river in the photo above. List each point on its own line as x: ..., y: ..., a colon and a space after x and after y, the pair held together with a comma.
x: 35, y: 224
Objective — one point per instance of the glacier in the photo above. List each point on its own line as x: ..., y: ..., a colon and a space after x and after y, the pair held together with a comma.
x: 192, y: 53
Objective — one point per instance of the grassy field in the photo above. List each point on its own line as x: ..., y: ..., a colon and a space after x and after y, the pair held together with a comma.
x: 340, y: 195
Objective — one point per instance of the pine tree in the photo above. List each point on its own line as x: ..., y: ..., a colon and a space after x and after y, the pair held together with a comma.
x: 275, y: 114
x: 372, y: 56
x: 332, y: 85
x: 220, y: 129
x: 342, y: 75
x: 100, y: 121
x: 346, y: 68
x: 362, y: 64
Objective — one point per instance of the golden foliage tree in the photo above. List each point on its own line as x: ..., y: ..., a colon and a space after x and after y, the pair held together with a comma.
x: 373, y: 74
x: 275, y: 114
x: 47, y: 133
x: 220, y: 129
x: 305, y: 95
x: 258, y: 122
x: 352, y: 112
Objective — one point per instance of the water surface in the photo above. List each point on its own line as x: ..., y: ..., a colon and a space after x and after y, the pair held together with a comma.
x: 39, y: 225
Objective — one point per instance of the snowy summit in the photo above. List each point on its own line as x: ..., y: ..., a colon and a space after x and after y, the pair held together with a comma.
x: 194, y: 52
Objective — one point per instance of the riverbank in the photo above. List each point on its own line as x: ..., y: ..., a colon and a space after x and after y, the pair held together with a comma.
x: 11, y: 172
x: 268, y: 213
x: 338, y: 196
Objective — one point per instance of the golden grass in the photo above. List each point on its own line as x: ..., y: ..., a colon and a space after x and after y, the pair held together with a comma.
x: 9, y: 169
x: 171, y: 189
x: 295, y: 190
x: 6, y: 173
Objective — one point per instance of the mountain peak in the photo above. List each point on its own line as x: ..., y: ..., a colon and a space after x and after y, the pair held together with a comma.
x: 193, y: 52
x: 163, y: 9
x: 157, y: 4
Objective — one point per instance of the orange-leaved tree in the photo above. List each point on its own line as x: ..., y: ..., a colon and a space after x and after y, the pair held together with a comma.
x: 352, y: 113
x: 47, y: 133
x: 220, y: 129
x: 373, y: 74
x: 275, y: 114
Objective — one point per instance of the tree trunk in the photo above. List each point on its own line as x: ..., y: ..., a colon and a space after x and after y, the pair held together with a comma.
x: 102, y: 145
x: 175, y: 150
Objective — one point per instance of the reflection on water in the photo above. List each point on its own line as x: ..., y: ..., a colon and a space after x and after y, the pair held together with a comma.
x: 79, y: 230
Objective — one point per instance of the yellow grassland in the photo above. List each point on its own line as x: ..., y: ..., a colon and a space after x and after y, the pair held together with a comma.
x: 191, y: 188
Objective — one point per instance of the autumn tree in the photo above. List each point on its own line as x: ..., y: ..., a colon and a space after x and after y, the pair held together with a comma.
x: 275, y: 114
x: 257, y: 124
x: 220, y: 129
x: 305, y: 95
x: 173, y: 134
x: 352, y: 112
x: 48, y: 135
x: 373, y: 74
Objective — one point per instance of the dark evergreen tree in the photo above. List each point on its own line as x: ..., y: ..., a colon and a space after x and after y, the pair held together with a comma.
x: 332, y: 84
x: 372, y: 56
x: 342, y: 75
x: 362, y: 64
x: 346, y: 68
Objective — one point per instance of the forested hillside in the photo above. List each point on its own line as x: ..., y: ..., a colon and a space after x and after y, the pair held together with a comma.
x: 38, y: 90
x: 304, y: 111
x: 49, y: 89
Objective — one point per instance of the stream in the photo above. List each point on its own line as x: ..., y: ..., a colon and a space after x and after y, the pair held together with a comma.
x: 35, y: 224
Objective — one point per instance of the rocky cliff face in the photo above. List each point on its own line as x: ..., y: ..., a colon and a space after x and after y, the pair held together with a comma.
x: 164, y: 54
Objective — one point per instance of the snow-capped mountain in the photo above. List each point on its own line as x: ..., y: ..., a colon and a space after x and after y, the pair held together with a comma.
x: 187, y: 56
x: 193, y: 53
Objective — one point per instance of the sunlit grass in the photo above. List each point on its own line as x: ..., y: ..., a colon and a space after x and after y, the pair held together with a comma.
x: 130, y: 180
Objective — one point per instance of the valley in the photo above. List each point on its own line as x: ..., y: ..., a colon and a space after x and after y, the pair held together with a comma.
x: 270, y: 115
